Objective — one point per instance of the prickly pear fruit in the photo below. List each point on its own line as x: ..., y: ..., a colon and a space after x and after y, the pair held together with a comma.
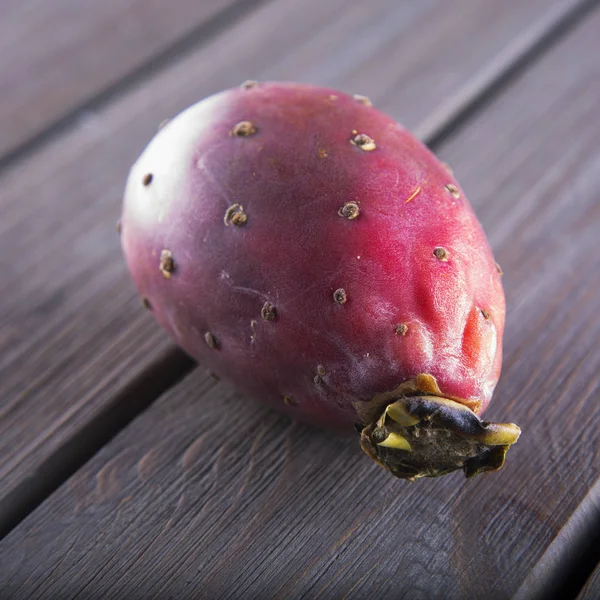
x: 306, y: 247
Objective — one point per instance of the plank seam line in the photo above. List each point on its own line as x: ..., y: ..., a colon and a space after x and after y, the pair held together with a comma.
x: 130, y: 402
x: 200, y: 36
x: 502, y: 73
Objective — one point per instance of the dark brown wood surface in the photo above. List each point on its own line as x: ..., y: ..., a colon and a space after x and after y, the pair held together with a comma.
x: 75, y: 347
x: 59, y: 54
x: 206, y: 494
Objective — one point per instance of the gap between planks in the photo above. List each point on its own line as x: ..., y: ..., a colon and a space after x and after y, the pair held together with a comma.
x: 174, y: 364
x: 576, y: 549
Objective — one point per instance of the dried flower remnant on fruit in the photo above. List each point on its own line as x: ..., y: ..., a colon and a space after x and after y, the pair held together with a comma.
x: 349, y: 211
x: 268, y: 312
x: 167, y: 263
x: 147, y: 179
x: 244, y: 129
x: 453, y: 190
x: 211, y: 340
x: 401, y: 329
x: 340, y: 296
x: 146, y: 303
x: 362, y: 100
x: 248, y: 84
x: 235, y: 215
x: 441, y: 253
x: 364, y: 142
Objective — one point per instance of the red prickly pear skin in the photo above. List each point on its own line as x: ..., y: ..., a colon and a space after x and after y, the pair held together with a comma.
x: 305, y: 246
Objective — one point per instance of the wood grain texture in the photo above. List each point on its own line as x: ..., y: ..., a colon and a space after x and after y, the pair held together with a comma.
x: 207, y: 495
x: 73, y: 333
x: 57, y: 54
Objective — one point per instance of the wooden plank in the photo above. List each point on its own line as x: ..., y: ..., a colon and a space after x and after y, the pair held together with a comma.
x: 575, y: 551
x: 591, y: 591
x: 206, y: 494
x: 58, y: 54
x: 74, y: 334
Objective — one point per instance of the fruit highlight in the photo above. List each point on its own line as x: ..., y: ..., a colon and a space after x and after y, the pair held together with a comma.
x: 305, y: 246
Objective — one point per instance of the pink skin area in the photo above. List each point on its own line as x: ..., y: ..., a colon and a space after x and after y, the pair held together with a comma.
x: 318, y: 357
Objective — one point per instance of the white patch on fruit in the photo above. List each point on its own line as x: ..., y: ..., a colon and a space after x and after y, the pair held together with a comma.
x: 168, y: 157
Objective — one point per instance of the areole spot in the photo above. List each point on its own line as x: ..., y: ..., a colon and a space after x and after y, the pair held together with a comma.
x: 268, y: 312
x: 211, y: 340
x: 364, y: 142
x: 244, y: 129
x: 322, y: 152
x: 289, y: 401
x: 362, y: 100
x: 318, y: 379
x: 146, y: 303
x: 119, y: 227
x: 453, y: 190
x: 167, y: 263
x: 340, y: 296
x: 163, y: 123
x: 235, y: 215
x: 249, y: 84
x: 485, y: 313
x: 349, y: 211
x: 147, y: 180
x: 401, y: 329
x: 499, y: 269
x: 321, y: 370
x: 441, y: 253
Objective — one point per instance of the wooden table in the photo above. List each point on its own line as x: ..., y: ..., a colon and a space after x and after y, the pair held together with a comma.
x: 115, y: 478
